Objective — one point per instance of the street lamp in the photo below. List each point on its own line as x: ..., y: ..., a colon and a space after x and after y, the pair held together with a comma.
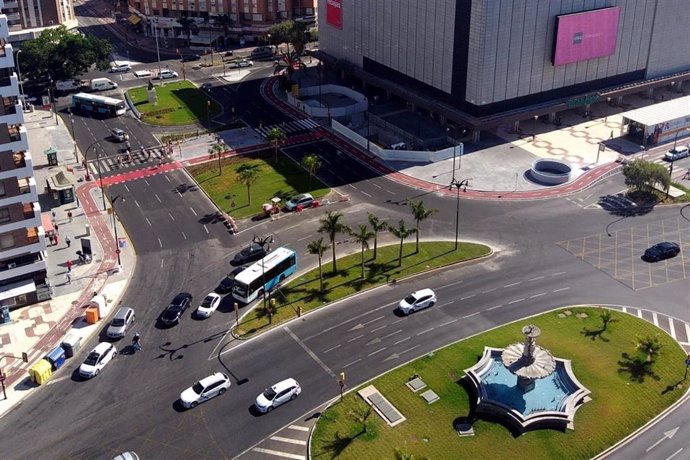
x: 112, y: 210
x: 675, y: 140
x: 455, y: 146
x: 463, y: 184
x: 608, y: 104
x: 265, y: 241
x: 98, y: 166
x: 534, y: 128
x: 158, y: 50
x: 19, y: 76
x: 74, y: 138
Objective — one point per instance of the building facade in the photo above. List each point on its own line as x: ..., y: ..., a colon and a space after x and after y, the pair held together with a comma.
x: 27, y: 18
x: 486, y: 57
x: 23, y: 269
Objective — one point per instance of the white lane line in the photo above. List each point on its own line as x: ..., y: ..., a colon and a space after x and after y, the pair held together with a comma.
x: 557, y: 274
x: 137, y: 203
x: 157, y: 197
x: 171, y: 216
x: 537, y: 295
x: 148, y: 222
x: 305, y: 238
x: 355, y: 338
x: 512, y: 284
x: 388, y: 191
x: 426, y: 330
x: 453, y: 284
x: 400, y: 330
x: 352, y: 363
x: 471, y: 315
x: 278, y: 453
x: 331, y: 349
x: 184, y: 236
x: 147, y: 182
x: 537, y: 278
x: 561, y: 289
x: 448, y: 322
x: 206, y: 228
x: 675, y: 453
x: 193, y: 211
x: 160, y: 243
x: 515, y: 301
x: 467, y: 297
x: 127, y: 188
x: 309, y: 352
x: 378, y: 329
x: 377, y: 351
x: 364, y: 193
x: 161, y: 263
x: 349, y: 320
x: 167, y: 178
x: 298, y: 428
x: 493, y: 308
x: 655, y: 318
x: 403, y: 340
x: 490, y: 290
x: 409, y: 349
x: 672, y: 328
x: 444, y: 304
x: 398, y: 320
x: 371, y: 321
x: 375, y: 185
x: 299, y: 442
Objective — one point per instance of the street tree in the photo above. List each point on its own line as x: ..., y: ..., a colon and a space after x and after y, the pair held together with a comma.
x: 219, y: 148
x: 59, y: 54
x: 362, y: 236
x: 317, y: 248
x: 420, y: 213
x: 276, y: 137
x: 331, y: 225
x: 247, y: 174
x: 293, y: 33
x: 311, y: 163
x: 377, y: 225
x: 225, y: 22
x: 644, y: 175
x: 402, y: 231
x: 188, y: 25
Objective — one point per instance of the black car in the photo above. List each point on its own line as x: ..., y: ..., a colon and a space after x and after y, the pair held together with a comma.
x: 177, y: 307
x: 191, y: 57
x: 661, y: 251
x: 249, y: 254
x: 229, y: 281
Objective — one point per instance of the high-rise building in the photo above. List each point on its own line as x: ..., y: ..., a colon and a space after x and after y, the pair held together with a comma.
x: 27, y: 18
x: 22, y: 240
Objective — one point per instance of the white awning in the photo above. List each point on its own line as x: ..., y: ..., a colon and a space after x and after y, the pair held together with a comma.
x: 660, y: 113
x: 13, y: 290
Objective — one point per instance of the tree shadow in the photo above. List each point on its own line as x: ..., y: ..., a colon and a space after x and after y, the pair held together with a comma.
x: 637, y: 367
x: 673, y: 387
x: 595, y: 334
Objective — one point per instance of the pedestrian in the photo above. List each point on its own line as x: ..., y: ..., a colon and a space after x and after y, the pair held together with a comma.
x: 54, y: 216
x: 69, y: 215
x: 68, y: 241
x: 148, y: 154
x: 69, y: 265
x: 56, y: 239
x: 55, y: 226
x: 68, y: 275
x: 611, y: 135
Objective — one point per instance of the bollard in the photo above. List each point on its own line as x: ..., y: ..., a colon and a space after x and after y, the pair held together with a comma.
x: 87, y: 229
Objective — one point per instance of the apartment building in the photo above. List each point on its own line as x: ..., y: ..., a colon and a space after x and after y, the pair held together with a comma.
x: 23, y: 269
x: 26, y: 19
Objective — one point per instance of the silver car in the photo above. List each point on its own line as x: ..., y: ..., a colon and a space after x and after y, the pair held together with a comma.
x: 120, y: 322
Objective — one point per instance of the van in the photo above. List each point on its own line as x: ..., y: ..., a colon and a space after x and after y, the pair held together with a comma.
x: 677, y: 153
x: 262, y: 52
x: 102, y: 84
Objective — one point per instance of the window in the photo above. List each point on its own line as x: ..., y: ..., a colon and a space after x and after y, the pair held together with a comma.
x: 2, y: 189
x: 4, y: 215
x: 6, y: 241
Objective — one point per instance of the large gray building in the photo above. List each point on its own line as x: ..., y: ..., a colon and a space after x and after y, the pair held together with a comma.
x: 485, y: 58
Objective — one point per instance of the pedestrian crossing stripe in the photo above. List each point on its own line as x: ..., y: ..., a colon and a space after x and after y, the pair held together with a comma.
x: 290, y: 128
x: 110, y: 163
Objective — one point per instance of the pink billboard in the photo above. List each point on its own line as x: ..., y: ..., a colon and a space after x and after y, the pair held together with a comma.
x: 586, y: 35
x: 334, y: 13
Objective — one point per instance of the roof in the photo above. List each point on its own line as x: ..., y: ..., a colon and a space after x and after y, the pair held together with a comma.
x: 660, y: 113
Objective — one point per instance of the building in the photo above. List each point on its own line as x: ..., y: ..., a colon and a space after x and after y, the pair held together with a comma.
x: 249, y: 19
x: 27, y: 18
x: 23, y: 269
x: 481, y: 63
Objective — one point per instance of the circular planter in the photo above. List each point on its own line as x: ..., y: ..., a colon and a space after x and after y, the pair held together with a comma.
x: 551, y: 172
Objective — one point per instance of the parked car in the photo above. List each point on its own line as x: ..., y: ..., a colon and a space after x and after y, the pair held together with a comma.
x: 661, y: 251
x: 96, y: 360
x: 172, y: 314
x: 119, y: 135
x: 191, y: 57
x: 207, y: 86
x: 677, y: 153
x: 303, y: 199
x: 278, y: 394
x: 228, y: 282
x: 120, y: 67
x: 240, y: 63
x: 251, y: 253
x: 228, y: 53
x: 124, y: 316
x: 130, y: 455
x: 165, y: 74
x: 418, y: 300
x: 208, y: 305
x: 214, y: 385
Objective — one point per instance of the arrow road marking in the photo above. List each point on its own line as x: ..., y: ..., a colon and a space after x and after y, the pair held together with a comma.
x: 667, y: 435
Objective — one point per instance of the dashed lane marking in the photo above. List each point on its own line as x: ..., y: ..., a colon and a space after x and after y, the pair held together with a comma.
x: 289, y: 440
x: 298, y: 428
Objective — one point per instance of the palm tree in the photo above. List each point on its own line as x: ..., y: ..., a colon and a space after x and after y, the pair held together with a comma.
x: 362, y: 236
x: 317, y: 248
x: 311, y: 163
x: 402, y: 232
x: 225, y: 22
x: 187, y: 25
x: 219, y: 148
x: 420, y: 213
x: 332, y: 225
x: 276, y: 136
x: 247, y: 174
x: 649, y: 346
x: 377, y: 225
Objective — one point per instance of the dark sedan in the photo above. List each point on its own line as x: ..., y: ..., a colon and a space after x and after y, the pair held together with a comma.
x: 191, y: 57
x: 661, y: 251
x: 228, y: 282
x: 176, y: 309
x: 251, y: 253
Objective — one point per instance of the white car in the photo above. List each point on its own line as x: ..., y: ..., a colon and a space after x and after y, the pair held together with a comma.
x: 165, y: 74
x: 121, y: 67
x: 97, y: 359
x: 205, y: 389
x: 278, y: 394
x: 119, y: 135
x: 418, y: 300
x: 208, y: 305
x: 241, y: 63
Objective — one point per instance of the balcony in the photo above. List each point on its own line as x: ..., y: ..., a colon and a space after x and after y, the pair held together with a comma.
x: 13, y: 115
x: 11, y: 4
x: 24, y: 265
x: 4, y: 29
x: 6, y: 57
x: 18, y: 139
x: 31, y: 218
x: 9, y: 86
x: 36, y: 242
x: 27, y: 193
x: 23, y: 166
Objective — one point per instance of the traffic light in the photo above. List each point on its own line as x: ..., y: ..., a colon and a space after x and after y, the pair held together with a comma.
x: 342, y: 376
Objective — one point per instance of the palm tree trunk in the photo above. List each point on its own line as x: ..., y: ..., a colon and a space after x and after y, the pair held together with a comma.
x: 375, y: 243
x: 333, y: 247
x: 362, y: 260
x: 417, y: 239
x: 320, y: 277
x: 400, y: 254
x: 249, y: 197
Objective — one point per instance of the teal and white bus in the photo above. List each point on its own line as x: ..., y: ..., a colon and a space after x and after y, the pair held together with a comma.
x: 264, y: 275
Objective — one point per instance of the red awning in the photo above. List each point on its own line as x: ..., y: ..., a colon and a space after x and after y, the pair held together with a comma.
x: 47, y: 222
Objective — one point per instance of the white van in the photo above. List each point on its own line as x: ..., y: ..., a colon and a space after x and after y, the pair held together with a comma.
x: 102, y: 84
x: 677, y: 153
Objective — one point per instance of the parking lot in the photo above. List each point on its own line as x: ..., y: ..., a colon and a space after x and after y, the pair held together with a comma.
x: 618, y: 253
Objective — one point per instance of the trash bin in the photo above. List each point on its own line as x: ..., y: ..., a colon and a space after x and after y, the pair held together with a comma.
x: 92, y: 315
x: 56, y: 357
x: 41, y: 372
x: 87, y: 229
x: 71, y: 344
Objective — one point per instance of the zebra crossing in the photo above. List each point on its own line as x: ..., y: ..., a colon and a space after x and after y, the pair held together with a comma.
x: 676, y: 328
x: 291, y: 128
x: 118, y: 162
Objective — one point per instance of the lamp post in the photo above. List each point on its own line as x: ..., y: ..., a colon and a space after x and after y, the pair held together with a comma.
x: 263, y: 242
x: 534, y: 128
x: 112, y: 211
x: 98, y: 166
x: 458, y: 185
x: 74, y: 136
x: 158, y: 50
x: 644, y: 151
x: 608, y: 104
x: 52, y: 100
x: 675, y: 139
x: 19, y: 76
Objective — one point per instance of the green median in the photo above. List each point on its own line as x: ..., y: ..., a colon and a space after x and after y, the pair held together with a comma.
x: 179, y: 103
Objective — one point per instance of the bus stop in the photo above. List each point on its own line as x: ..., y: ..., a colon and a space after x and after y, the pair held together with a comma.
x: 658, y: 123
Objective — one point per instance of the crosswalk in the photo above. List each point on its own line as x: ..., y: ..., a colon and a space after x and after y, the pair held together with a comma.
x: 118, y: 162
x: 291, y: 442
x: 676, y: 328
x: 291, y: 128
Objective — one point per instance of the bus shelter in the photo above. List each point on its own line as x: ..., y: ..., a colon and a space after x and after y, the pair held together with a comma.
x: 658, y: 123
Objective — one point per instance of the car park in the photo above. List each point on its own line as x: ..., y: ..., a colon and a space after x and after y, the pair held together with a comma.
x: 214, y: 385
x: 172, y: 314
x: 96, y: 360
x: 165, y: 74
x: 661, y: 251
x: 303, y: 199
x: 208, y: 305
x: 241, y: 63
x: 120, y: 67
x: 124, y: 316
x: 228, y: 282
x: 677, y: 153
x: 191, y: 57
x: 278, y: 394
x: 119, y: 135
x: 251, y: 253
x: 418, y: 300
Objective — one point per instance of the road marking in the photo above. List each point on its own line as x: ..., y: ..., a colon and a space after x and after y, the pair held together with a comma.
x: 377, y: 351
x: 305, y: 238
x: 149, y: 222
x: 375, y: 185
x: 371, y: 321
x: 137, y: 203
x: 674, y: 454
x: 364, y: 193
x: 298, y: 428
x: 353, y: 362
x: 561, y: 289
x: 537, y: 295
x: 453, y: 284
x: 309, y: 352
x: 147, y: 182
x: 193, y: 211
x: 448, y: 322
x: 467, y: 297
x: 687, y: 331
x: 127, y: 188
x: 299, y: 442
x: 409, y: 349
x: 398, y: 320
x: 655, y: 318
x: 355, y: 338
x: 157, y: 197
x: 426, y: 330
x: 400, y: 330
x: 278, y: 453
x: 515, y: 301
x: 206, y: 228
x: 403, y: 340
x: 184, y: 236
x: 332, y: 348
x: 160, y: 243
x: 378, y: 329
x: 471, y: 315
x: 672, y: 327
x: 171, y: 216
x: 512, y: 284
x: 167, y: 178
x: 536, y: 279
x: 490, y: 290
x: 161, y: 263
x: 557, y: 274
x: 444, y: 304
x: 354, y: 318
x: 493, y: 308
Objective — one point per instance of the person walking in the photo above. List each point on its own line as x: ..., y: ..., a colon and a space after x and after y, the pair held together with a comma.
x: 54, y: 216
x: 68, y: 275
x: 55, y: 226
x: 57, y: 239
x: 69, y: 264
x: 68, y: 241
x: 69, y: 216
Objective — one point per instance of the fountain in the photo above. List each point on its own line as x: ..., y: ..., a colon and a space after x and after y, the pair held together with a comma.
x: 525, y: 385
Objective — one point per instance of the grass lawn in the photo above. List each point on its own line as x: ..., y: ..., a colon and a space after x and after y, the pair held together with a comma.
x: 304, y: 291
x: 284, y: 179
x: 620, y: 402
x: 179, y: 103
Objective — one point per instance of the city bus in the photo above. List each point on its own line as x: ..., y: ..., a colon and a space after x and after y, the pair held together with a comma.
x: 264, y: 275
x: 99, y: 105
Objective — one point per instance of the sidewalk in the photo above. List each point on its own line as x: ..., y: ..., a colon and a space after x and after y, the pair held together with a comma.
x: 40, y: 327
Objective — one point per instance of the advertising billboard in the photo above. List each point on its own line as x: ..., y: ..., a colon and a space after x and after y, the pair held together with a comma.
x: 586, y: 35
x: 334, y: 13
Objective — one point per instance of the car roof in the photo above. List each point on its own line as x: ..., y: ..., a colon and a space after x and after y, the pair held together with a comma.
x: 666, y: 244
x: 283, y: 384
x: 122, y: 312
x: 302, y: 195
x: 179, y: 297
x: 102, y: 347
x: 213, y: 378
x: 423, y: 292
